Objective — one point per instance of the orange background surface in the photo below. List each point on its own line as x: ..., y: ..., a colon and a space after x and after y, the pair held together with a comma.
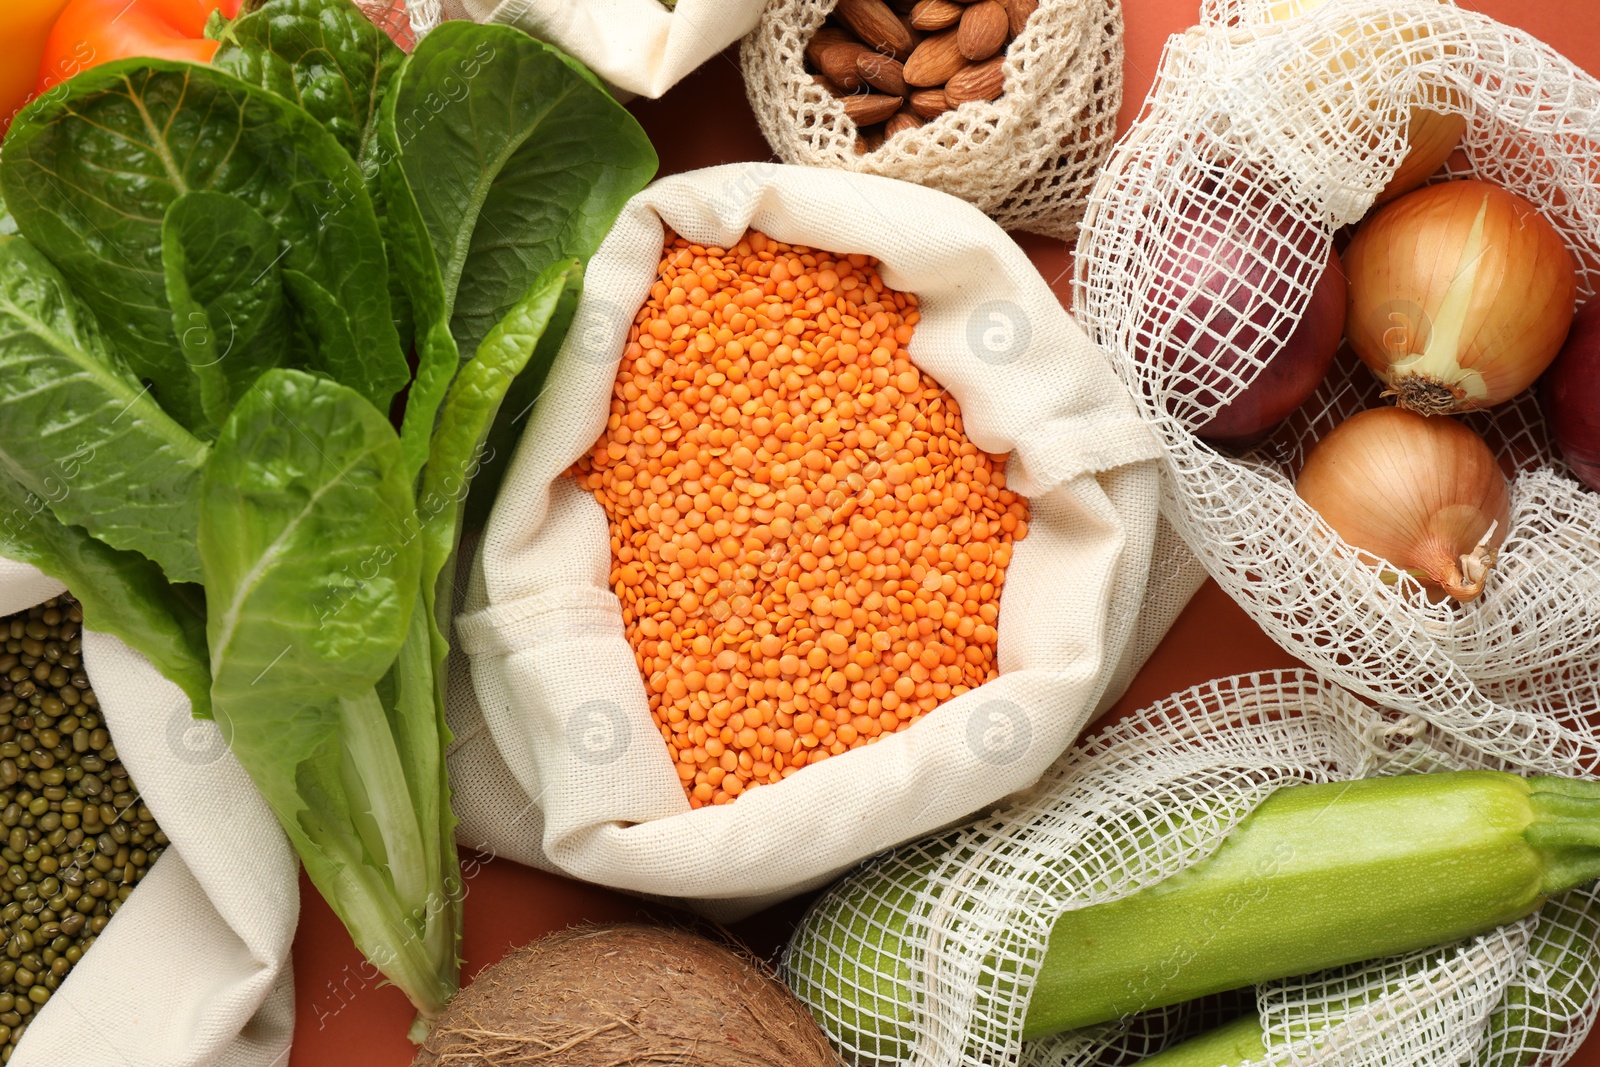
x: 343, y: 1018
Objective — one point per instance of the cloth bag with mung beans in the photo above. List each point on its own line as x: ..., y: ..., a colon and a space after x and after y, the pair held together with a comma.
x: 563, y: 758
x: 936, y: 955
x: 1282, y: 131
x: 641, y: 47
x: 1020, y: 131
x: 194, y: 966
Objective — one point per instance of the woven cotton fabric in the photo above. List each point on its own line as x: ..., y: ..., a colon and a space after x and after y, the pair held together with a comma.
x: 1026, y: 159
x: 194, y: 968
x: 1144, y: 799
x: 638, y: 46
x: 558, y: 762
x: 1307, y: 117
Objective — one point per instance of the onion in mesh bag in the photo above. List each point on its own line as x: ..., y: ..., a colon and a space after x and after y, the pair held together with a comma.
x: 1310, y: 115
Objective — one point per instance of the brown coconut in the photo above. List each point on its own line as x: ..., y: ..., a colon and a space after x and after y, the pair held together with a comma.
x: 625, y: 994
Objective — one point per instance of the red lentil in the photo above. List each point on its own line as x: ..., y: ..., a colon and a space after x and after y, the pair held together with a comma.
x: 808, y: 550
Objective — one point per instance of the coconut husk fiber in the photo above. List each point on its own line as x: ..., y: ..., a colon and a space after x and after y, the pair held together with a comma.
x: 626, y: 994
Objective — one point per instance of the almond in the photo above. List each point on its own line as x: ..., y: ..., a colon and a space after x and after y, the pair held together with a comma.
x: 935, y: 60
x: 837, y: 62
x: 931, y: 15
x: 824, y: 37
x: 867, y: 109
x: 981, y: 81
x: 916, y: 35
x: 1017, y: 12
x: 882, y: 73
x: 876, y: 25
x: 983, y: 30
x: 901, y: 120
x: 929, y: 103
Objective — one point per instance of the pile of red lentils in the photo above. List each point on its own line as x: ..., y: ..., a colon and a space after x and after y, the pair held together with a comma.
x: 808, y: 550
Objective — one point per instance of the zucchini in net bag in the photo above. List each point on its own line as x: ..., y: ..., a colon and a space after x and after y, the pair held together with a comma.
x: 1555, y: 1008
x: 1315, y: 877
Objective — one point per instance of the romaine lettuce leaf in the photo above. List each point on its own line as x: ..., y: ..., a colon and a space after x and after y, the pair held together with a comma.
x: 78, y: 429
x: 312, y: 569
x: 517, y: 159
x: 122, y: 593
x: 90, y: 171
x: 325, y: 55
x: 224, y: 284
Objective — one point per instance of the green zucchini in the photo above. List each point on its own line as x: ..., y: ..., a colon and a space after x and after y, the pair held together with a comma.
x: 1229, y: 1045
x: 1317, y: 876
x: 1547, y: 1003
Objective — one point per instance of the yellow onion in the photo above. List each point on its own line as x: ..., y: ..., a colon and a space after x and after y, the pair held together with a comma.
x: 1459, y: 296
x: 1423, y: 494
x: 1431, y: 135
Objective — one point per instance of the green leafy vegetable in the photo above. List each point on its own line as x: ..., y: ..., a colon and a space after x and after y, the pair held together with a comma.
x: 311, y: 582
x: 517, y: 158
x: 123, y: 592
x: 328, y: 58
x: 89, y: 175
x: 332, y: 61
x: 326, y: 342
x: 220, y: 258
x: 437, y: 355
x: 77, y: 428
x: 519, y: 402
x: 308, y: 570
x: 254, y: 239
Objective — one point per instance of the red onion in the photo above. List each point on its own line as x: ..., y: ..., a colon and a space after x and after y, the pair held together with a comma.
x: 1225, y: 275
x: 1569, y: 392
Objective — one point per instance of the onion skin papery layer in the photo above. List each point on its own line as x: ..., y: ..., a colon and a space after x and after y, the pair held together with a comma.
x: 1459, y: 296
x: 1424, y: 494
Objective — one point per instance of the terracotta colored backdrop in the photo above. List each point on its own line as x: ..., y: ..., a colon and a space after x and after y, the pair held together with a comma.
x: 344, y: 1018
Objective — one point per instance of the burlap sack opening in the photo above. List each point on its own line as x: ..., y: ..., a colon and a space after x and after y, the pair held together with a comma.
x: 1026, y: 159
x: 1249, y: 107
x: 194, y: 968
x: 558, y: 763
x: 978, y: 903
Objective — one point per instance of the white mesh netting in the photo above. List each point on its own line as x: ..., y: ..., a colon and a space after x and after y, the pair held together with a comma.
x: 972, y: 909
x: 407, y: 21
x: 1026, y: 159
x: 1306, y: 119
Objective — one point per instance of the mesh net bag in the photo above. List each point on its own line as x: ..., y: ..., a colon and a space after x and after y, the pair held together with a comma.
x: 1027, y: 159
x: 403, y: 20
x: 1246, y: 115
x: 975, y: 906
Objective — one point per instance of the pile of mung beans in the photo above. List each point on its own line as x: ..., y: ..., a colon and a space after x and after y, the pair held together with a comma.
x: 76, y: 838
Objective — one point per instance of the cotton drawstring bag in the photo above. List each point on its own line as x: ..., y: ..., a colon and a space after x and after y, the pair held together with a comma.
x: 979, y: 902
x: 1248, y: 110
x: 1027, y: 159
x: 194, y: 967
x: 640, y: 47
x: 558, y: 763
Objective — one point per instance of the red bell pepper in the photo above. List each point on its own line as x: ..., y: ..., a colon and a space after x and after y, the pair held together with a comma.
x: 91, y: 32
x: 25, y: 25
